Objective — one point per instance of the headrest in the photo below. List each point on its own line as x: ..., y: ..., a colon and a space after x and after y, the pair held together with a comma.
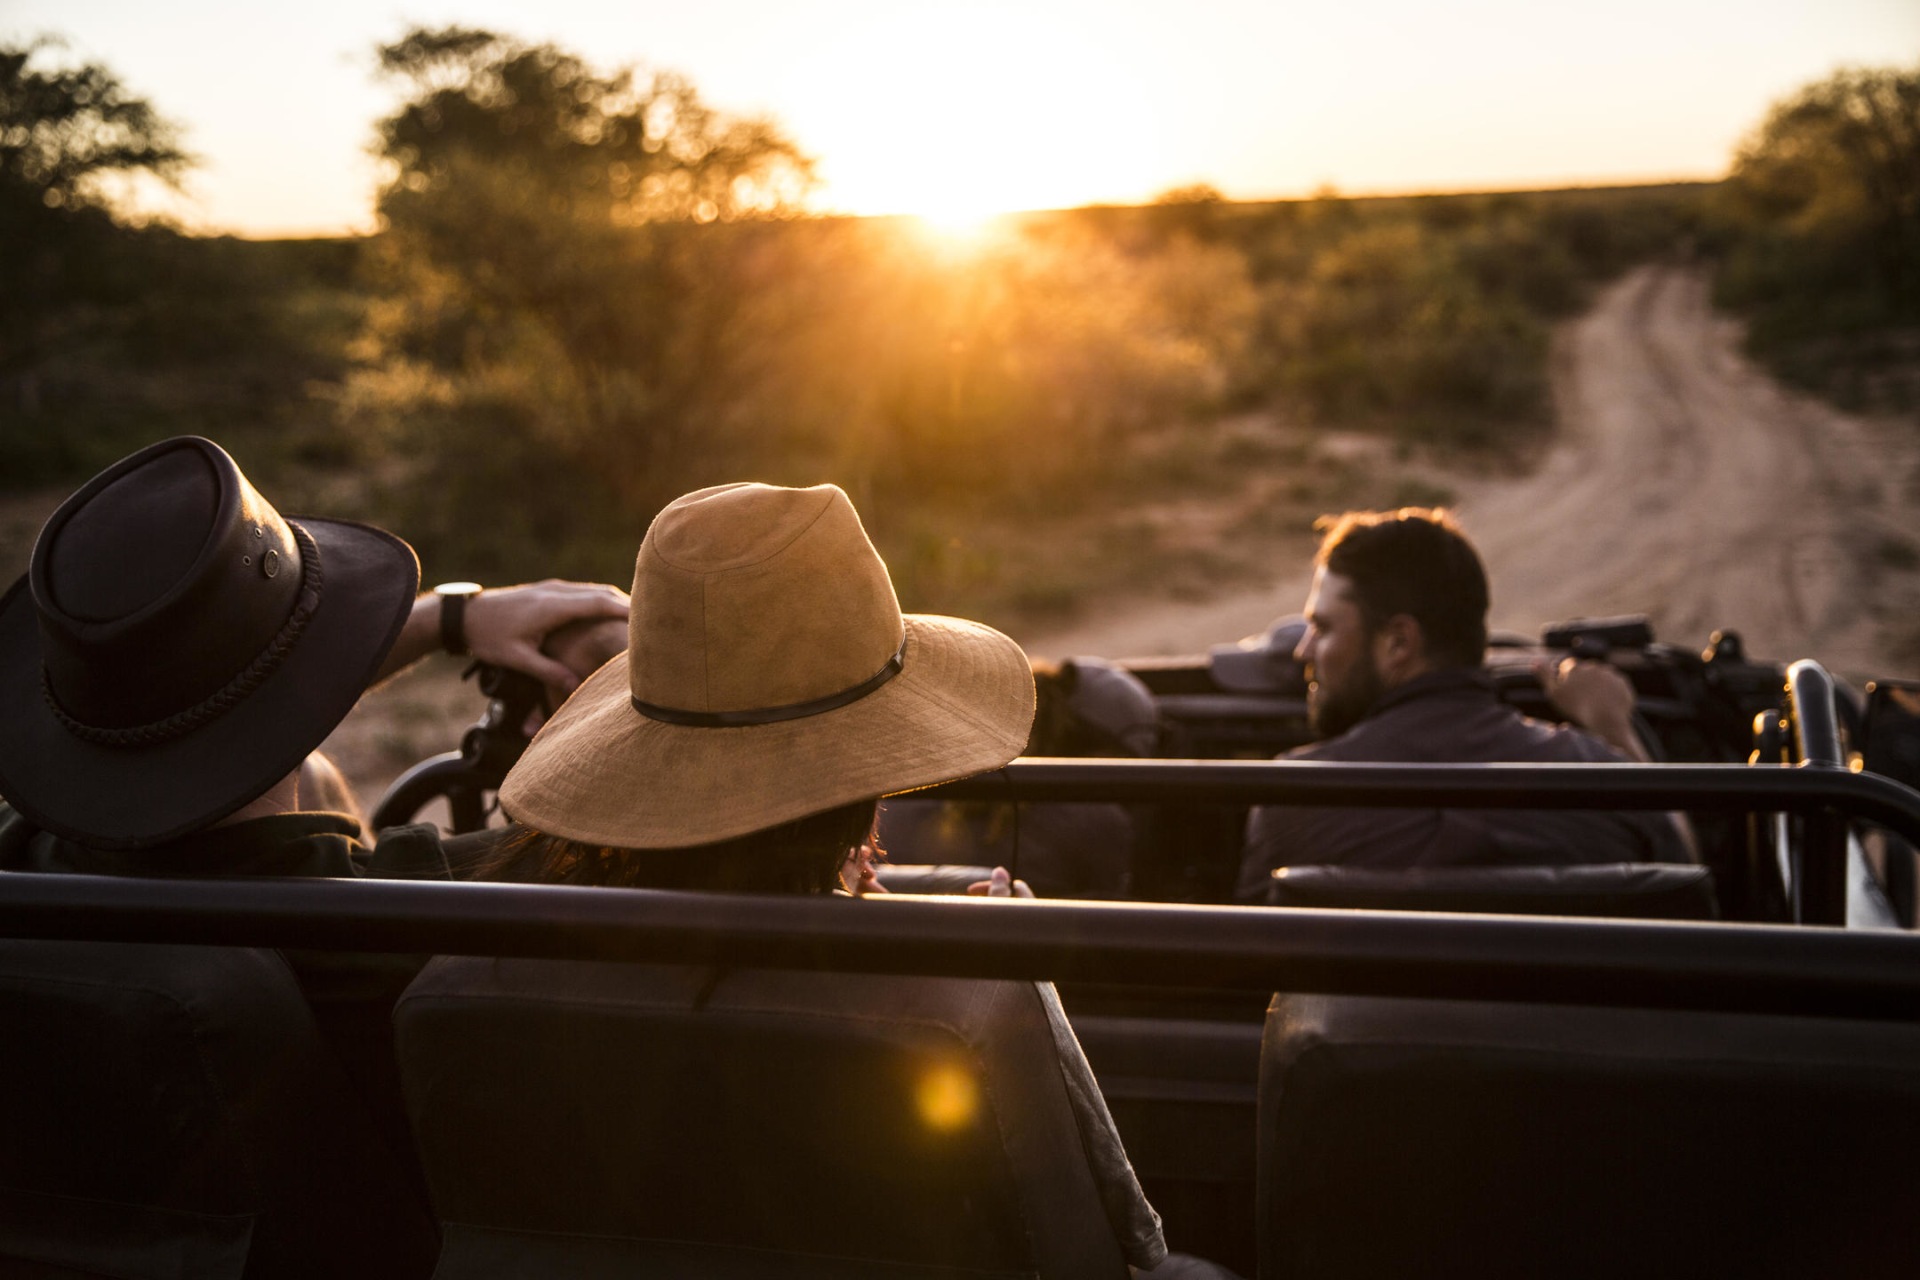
x: 1634, y: 890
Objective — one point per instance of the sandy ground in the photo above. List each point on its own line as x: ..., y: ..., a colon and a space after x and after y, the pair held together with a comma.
x: 1683, y: 483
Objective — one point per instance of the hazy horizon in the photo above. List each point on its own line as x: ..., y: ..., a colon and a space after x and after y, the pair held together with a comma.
x: 954, y: 110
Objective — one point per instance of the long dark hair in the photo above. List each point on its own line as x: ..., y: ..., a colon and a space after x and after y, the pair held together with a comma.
x: 802, y: 856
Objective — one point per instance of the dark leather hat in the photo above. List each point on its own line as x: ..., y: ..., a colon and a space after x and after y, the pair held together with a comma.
x: 178, y: 646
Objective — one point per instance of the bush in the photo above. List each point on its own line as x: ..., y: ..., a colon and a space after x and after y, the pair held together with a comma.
x: 1819, y: 227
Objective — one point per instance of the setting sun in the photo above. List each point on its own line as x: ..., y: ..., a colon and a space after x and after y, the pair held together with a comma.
x: 969, y: 111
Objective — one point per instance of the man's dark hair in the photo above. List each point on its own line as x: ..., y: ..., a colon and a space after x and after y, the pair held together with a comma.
x: 1417, y: 562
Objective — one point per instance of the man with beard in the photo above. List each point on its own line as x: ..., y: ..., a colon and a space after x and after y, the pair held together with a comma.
x: 1396, y: 633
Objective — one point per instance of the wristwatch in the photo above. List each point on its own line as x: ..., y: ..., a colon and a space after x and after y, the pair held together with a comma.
x: 453, y: 597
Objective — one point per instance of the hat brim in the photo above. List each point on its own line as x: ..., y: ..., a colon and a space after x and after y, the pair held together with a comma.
x: 600, y: 772
x: 1262, y: 663
x: 1240, y: 670
x: 128, y: 797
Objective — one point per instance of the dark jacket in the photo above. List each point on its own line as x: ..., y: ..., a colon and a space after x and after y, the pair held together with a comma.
x: 1451, y: 716
x: 351, y: 994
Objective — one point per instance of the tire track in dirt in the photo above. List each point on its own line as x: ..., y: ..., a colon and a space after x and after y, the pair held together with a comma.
x: 1683, y: 483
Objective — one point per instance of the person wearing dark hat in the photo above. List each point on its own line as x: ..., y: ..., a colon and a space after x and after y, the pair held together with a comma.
x: 173, y: 656
x: 178, y: 648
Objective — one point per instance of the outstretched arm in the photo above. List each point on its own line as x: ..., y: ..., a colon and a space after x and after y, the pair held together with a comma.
x: 506, y: 625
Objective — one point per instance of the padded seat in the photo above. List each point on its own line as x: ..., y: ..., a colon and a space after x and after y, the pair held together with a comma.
x: 1634, y: 890
x: 589, y: 1119
x: 171, y: 1111
x: 1447, y: 1138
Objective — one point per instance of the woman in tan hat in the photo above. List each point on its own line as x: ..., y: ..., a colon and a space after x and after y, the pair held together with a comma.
x: 771, y: 692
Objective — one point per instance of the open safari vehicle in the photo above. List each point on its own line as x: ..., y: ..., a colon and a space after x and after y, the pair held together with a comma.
x: 1665, y: 1070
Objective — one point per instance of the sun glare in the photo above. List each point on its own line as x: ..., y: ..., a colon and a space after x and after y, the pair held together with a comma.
x: 960, y: 227
x: 948, y: 1098
x: 959, y: 112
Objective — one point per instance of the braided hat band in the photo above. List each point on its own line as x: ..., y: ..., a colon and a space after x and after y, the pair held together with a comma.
x: 228, y: 695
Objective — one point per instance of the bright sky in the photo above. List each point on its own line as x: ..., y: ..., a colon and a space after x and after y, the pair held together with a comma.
x: 948, y: 108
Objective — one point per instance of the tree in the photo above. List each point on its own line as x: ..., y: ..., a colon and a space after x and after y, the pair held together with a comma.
x: 611, y: 145
x: 558, y: 263
x: 1825, y: 198
x: 64, y: 131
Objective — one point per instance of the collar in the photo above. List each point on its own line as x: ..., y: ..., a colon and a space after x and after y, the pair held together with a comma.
x: 281, y: 844
x: 1448, y: 682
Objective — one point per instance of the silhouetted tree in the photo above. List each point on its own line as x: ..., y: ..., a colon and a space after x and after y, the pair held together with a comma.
x: 64, y: 131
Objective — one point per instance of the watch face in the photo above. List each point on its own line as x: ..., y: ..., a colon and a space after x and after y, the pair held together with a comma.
x: 457, y: 589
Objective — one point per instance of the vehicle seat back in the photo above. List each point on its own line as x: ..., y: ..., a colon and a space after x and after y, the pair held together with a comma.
x: 171, y: 1111
x: 1409, y: 1137
x: 1637, y: 890
x: 580, y: 1118
x: 929, y: 877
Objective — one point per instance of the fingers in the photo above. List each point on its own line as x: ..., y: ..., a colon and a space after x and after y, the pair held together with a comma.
x: 995, y: 886
x: 507, y: 626
x: 548, y: 671
x: 582, y: 646
x: 1000, y: 884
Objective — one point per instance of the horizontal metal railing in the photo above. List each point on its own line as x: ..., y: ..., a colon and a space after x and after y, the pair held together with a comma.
x: 1779, y: 969
x: 1805, y: 788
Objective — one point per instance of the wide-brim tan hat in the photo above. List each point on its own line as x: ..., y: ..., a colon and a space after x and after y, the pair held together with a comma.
x: 769, y: 675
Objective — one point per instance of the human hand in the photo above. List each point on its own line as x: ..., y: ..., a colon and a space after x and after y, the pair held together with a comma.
x: 1000, y: 884
x: 1598, y: 698
x: 508, y: 627
x: 1587, y: 692
x: 583, y: 646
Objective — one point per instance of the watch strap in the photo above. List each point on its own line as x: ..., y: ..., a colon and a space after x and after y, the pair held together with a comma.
x: 453, y: 621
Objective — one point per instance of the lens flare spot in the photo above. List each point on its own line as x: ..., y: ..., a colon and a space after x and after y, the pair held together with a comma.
x: 948, y: 1098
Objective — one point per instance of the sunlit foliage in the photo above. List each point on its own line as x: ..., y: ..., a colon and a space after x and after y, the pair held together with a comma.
x: 1020, y: 364
x: 540, y: 274
x: 1428, y: 317
x: 1821, y: 218
x: 592, y: 292
x: 590, y: 300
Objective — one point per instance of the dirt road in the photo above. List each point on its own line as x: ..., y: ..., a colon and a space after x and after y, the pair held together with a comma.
x: 1683, y: 483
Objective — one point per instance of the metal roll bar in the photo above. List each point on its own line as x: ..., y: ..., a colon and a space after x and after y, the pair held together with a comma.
x: 1755, y: 968
x: 1724, y: 787
x: 1820, y: 873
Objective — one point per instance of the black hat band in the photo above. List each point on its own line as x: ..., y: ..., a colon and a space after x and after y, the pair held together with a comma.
x: 773, y: 715
x: 228, y: 695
